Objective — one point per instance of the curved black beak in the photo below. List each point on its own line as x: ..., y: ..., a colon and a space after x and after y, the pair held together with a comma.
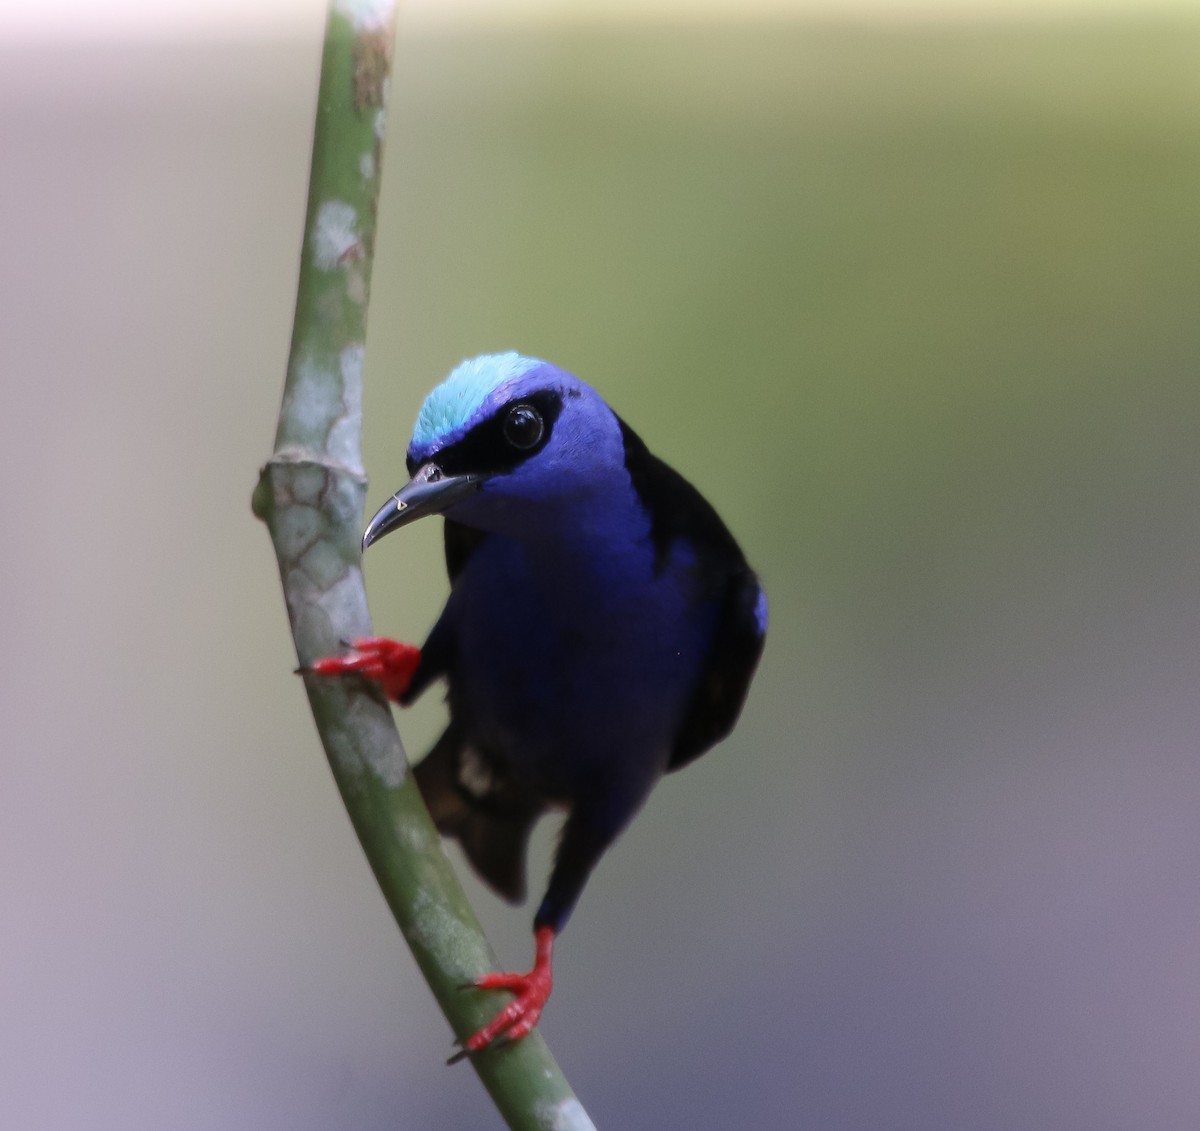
x: 427, y: 492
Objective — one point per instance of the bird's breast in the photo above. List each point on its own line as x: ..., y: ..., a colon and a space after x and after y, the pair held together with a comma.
x: 576, y: 663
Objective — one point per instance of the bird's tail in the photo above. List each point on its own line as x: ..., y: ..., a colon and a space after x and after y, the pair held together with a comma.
x: 487, y: 815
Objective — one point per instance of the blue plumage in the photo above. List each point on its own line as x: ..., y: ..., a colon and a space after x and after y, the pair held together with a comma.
x: 602, y: 626
x: 450, y: 408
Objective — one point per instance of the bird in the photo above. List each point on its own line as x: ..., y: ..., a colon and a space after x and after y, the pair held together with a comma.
x: 601, y: 630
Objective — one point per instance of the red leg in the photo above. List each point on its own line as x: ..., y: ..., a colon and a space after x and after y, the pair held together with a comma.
x: 518, y: 1018
x: 389, y: 662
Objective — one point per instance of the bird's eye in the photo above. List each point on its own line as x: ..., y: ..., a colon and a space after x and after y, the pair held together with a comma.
x: 523, y: 426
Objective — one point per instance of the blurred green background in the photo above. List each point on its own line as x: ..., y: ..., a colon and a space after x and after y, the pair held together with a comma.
x: 916, y: 305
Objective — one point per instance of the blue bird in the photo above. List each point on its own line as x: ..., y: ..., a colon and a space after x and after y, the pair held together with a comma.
x: 602, y: 629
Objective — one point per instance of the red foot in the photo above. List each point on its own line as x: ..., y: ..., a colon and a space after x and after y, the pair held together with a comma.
x: 389, y: 662
x: 518, y: 1018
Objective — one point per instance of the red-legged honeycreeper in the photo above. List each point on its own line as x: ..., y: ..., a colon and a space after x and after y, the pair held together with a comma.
x: 601, y: 630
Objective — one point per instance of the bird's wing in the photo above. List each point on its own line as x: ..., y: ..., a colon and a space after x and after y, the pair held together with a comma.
x: 721, y: 689
x: 677, y: 511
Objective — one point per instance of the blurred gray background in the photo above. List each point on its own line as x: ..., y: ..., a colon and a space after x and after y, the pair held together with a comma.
x: 915, y: 303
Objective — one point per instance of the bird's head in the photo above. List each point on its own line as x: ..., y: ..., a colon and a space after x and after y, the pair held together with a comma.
x: 500, y: 443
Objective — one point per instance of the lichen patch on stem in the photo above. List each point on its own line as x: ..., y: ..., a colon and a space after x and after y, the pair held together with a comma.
x: 312, y: 396
x: 366, y: 15
x: 376, y: 734
x: 324, y: 406
x: 335, y: 235
x: 567, y: 1115
x: 439, y: 929
x: 342, y: 442
x: 372, y: 61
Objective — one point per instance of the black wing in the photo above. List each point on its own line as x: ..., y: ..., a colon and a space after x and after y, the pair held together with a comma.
x: 721, y: 690
x: 678, y: 511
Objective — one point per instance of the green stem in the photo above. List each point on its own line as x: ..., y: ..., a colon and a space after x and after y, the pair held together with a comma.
x: 311, y: 495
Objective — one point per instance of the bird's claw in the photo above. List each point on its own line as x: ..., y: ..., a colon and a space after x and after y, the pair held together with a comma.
x: 390, y: 663
x: 521, y: 1015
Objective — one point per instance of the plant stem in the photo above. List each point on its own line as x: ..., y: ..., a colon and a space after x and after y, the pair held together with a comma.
x: 311, y: 494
